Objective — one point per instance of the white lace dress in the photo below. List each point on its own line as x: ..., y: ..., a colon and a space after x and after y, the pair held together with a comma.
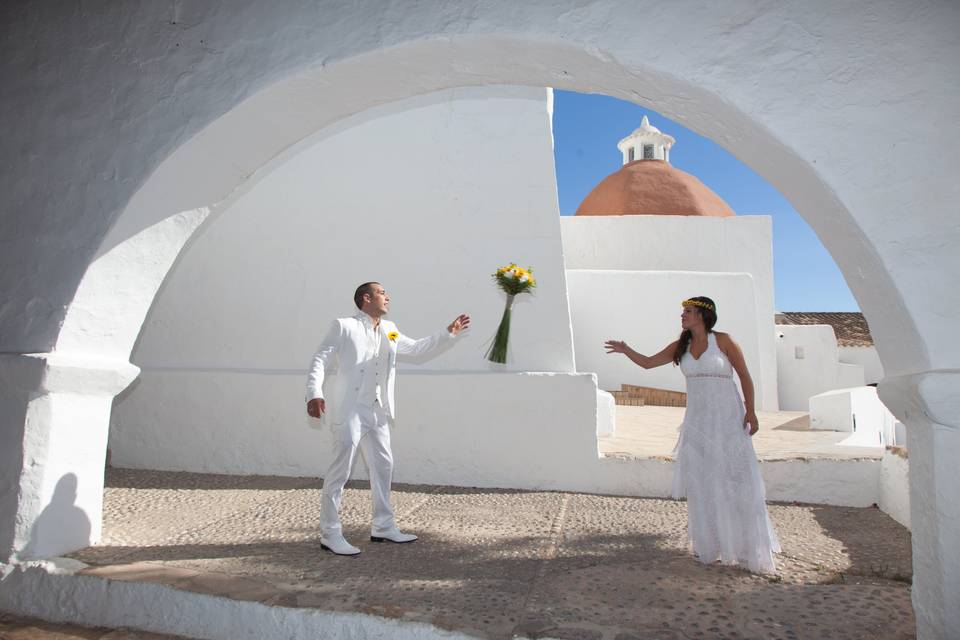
x: 717, y: 469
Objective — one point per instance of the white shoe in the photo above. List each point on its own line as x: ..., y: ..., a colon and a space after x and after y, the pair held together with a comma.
x: 338, y: 545
x: 391, y: 535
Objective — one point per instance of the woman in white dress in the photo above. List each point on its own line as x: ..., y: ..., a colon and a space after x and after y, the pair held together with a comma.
x: 716, y: 465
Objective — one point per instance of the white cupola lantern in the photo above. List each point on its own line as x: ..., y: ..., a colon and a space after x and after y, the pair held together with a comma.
x: 646, y: 143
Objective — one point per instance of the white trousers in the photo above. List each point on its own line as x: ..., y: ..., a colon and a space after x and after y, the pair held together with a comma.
x: 367, y: 429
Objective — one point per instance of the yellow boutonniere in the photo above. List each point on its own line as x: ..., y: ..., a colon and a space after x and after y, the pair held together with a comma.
x: 393, y: 335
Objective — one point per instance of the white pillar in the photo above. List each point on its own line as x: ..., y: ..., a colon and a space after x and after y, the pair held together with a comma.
x: 55, y: 413
x: 929, y: 404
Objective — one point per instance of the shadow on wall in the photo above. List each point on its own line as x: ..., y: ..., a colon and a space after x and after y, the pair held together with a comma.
x: 60, y: 515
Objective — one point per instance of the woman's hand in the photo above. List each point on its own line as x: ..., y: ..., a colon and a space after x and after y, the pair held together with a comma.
x: 751, y: 422
x: 616, y: 346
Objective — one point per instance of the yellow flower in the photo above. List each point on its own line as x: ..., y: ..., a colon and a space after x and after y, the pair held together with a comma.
x: 393, y: 335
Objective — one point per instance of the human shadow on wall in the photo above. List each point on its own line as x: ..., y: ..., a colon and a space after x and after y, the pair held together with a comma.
x: 60, y: 524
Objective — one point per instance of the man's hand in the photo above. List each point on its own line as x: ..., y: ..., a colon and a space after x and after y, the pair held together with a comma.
x: 751, y: 422
x: 316, y: 407
x: 458, y: 325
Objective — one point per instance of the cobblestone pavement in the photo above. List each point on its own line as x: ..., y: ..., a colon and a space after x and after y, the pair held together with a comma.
x: 17, y: 628
x: 499, y: 563
x: 645, y: 432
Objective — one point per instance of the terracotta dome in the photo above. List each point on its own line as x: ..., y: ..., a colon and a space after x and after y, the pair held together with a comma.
x: 652, y: 187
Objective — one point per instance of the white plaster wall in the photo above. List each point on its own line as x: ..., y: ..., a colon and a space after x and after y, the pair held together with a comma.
x: 866, y: 357
x: 643, y: 309
x: 818, y: 370
x: 428, y: 196
x: 895, y: 487
x: 686, y: 243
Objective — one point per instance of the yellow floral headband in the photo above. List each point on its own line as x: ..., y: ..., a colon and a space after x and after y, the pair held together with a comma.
x: 697, y: 303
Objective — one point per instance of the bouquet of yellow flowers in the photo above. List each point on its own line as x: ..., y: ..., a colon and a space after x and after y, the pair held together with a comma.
x: 513, y: 280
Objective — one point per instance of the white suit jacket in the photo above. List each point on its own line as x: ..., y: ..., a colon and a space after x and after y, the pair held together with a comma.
x: 341, y: 353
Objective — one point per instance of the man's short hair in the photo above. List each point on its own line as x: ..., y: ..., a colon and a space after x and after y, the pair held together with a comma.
x: 365, y: 289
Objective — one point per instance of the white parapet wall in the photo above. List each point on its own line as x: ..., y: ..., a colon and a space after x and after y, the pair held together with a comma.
x: 539, y: 433
x: 516, y: 430
x: 643, y: 308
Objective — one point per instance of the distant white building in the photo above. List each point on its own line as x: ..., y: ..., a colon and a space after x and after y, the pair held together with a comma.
x: 822, y: 351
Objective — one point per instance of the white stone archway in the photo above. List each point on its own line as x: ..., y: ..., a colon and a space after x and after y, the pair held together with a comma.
x: 146, y: 133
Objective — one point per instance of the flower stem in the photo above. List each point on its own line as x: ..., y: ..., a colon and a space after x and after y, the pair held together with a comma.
x: 498, y: 350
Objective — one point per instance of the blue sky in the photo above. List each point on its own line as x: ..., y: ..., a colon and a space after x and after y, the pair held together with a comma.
x: 586, y: 130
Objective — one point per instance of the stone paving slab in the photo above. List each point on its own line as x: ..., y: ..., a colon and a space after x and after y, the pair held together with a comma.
x: 646, y: 432
x: 501, y: 564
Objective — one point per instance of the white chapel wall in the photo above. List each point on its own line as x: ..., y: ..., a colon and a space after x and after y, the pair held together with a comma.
x: 741, y: 244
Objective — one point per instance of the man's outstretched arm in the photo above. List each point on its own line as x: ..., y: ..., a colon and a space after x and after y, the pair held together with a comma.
x: 409, y: 347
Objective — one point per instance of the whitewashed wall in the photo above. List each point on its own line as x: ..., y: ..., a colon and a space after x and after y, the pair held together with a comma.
x: 643, y: 309
x: 685, y: 243
x: 808, y: 364
x: 428, y: 196
x: 866, y: 357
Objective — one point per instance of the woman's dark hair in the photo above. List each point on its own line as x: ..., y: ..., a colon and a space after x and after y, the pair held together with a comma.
x: 709, y: 316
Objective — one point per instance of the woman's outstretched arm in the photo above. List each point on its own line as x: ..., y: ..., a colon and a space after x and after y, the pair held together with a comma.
x: 647, y: 362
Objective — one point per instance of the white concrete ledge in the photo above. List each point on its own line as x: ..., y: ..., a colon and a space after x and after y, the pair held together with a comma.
x: 44, y: 591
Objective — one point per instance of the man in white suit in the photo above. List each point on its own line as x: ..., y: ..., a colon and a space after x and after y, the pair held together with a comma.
x: 364, y: 350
